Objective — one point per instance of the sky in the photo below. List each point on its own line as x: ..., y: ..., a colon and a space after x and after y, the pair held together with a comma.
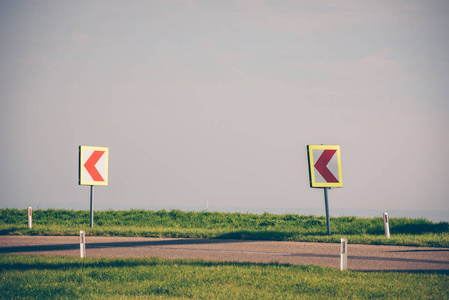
x: 216, y: 101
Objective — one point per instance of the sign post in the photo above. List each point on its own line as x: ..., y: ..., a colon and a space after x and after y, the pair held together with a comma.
x: 93, y: 170
x: 325, y: 171
x: 326, y: 204
x: 91, y: 206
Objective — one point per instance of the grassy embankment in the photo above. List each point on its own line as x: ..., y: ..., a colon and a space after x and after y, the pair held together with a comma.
x: 28, y: 276
x: 175, y: 223
x: 43, y: 277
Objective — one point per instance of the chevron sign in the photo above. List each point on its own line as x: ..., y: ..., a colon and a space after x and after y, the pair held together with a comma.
x: 324, y: 166
x: 93, y: 165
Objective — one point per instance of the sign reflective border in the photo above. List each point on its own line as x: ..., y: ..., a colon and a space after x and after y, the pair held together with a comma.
x: 324, y: 166
x: 93, y: 165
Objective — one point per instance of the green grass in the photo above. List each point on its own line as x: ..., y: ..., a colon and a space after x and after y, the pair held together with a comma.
x: 175, y: 223
x: 39, y: 277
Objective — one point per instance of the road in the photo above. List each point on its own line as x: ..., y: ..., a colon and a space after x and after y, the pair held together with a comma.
x: 360, y: 257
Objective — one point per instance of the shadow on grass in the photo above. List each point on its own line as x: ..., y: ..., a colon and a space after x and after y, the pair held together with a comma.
x: 442, y: 272
x: 421, y: 228
x: 78, y: 263
x: 69, y: 263
x: 11, y: 231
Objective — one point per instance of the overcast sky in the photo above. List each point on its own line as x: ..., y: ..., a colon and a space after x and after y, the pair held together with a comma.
x: 217, y: 100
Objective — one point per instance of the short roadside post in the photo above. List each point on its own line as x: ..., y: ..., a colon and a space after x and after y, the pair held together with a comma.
x: 30, y: 220
x: 386, y: 225
x: 344, y: 254
x: 325, y: 171
x: 82, y: 244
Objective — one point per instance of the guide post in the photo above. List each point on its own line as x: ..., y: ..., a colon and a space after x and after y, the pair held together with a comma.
x: 344, y: 254
x: 386, y: 225
x: 30, y: 218
x: 82, y: 244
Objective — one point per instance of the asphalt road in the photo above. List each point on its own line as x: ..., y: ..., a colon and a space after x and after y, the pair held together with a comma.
x: 360, y: 257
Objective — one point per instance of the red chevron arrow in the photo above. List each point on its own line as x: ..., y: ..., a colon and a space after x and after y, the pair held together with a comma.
x: 90, y: 165
x: 321, y: 165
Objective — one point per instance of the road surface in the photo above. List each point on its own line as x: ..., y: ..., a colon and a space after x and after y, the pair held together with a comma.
x: 360, y: 257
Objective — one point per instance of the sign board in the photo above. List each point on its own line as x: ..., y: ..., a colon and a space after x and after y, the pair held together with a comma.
x: 93, y: 165
x: 324, y: 166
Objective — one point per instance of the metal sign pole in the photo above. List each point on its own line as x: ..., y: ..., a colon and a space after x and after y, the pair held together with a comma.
x: 328, y: 220
x: 91, y: 206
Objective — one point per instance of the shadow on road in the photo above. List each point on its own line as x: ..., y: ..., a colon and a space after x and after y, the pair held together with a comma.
x: 421, y: 250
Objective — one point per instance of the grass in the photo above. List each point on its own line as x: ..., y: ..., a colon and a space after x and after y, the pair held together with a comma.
x: 175, y: 223
x: 28, y: 276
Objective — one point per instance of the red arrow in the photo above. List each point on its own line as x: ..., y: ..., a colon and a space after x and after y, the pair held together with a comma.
x: 321, y: 165
x: 90, y: 165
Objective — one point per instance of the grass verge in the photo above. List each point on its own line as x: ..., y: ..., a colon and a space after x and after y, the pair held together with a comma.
x: 175, y: 223
x: 27, y: 276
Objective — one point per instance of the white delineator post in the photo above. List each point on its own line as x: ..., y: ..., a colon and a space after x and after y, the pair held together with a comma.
x: 30, y: 221
x: 344, y: 254
x: 82, y: 244
x: 387, y: 227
